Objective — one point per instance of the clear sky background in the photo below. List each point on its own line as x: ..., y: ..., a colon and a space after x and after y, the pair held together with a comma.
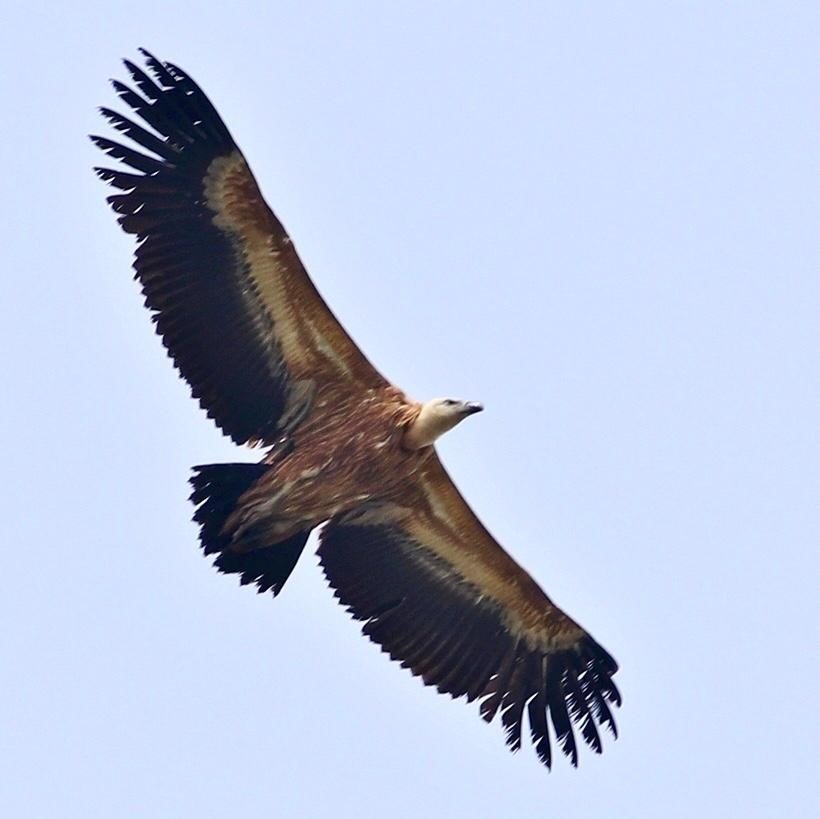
x: 601, y: 222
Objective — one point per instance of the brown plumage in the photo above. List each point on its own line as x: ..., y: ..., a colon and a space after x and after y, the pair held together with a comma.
x: 271, y: 365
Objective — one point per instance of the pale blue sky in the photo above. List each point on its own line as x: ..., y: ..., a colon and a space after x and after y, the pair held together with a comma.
x: 602, y: 223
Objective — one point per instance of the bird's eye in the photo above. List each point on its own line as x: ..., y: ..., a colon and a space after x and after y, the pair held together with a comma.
x: 449, y: 402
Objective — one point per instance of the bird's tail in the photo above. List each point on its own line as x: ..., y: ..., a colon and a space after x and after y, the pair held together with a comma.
x: 216, y: 491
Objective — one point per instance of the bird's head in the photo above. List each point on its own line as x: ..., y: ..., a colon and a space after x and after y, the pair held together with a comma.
x: 437, y: 417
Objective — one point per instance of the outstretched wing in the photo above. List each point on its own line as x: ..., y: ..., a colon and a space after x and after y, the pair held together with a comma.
x: 440, y: 595
x: 231, y: 299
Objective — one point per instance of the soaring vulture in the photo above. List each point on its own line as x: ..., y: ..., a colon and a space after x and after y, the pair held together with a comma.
x: 347, y: 450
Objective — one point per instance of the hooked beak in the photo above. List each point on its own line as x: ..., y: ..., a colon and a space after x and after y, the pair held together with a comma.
x: 472, y: 408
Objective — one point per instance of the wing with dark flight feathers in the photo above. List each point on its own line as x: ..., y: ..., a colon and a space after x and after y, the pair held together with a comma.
x: 441, y: 596
x: 231, y: 299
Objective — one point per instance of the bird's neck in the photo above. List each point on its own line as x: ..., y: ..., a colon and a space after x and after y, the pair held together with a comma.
x: 425, y: 429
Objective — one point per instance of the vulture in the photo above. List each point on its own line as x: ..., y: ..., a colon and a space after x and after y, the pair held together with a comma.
x: 347, y: 450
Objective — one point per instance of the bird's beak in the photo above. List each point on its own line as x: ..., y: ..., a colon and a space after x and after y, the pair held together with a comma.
x: 472, y: 408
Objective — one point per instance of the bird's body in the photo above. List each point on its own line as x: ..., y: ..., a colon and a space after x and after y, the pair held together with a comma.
x: 348, y: 451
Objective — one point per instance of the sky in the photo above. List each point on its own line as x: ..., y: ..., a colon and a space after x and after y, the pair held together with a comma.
x: 600, y: 221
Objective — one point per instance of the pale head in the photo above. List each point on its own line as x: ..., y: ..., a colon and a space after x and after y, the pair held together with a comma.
x: 437, y: 417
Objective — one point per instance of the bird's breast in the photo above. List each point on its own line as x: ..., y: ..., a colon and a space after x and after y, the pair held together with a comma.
x: 346, y: 457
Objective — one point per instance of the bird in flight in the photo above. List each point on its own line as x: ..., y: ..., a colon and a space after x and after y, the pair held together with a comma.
x: 347, y: 451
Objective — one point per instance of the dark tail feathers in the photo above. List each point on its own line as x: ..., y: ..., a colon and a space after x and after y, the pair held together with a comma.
x: 217, y: 488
